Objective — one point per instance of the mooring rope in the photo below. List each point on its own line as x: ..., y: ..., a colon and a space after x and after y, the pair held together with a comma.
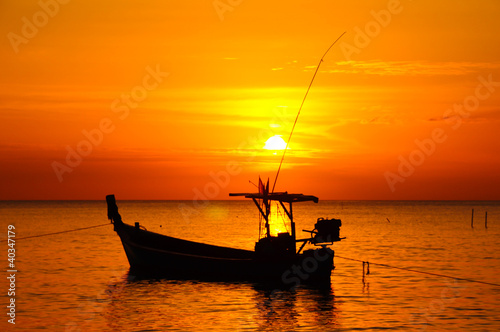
x: 348, y: 258
x: 422, y: 272
x: 67, y: 231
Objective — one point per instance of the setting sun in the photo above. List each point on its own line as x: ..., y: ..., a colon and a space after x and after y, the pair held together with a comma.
x: 275, y: 143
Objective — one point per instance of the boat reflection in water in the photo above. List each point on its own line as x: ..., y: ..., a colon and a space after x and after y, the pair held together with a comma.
x: 275, y: 258
x: 163, y: 304
x: 283, y: 309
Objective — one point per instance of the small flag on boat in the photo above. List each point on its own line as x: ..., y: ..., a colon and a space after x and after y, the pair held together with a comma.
x: 262, y: 189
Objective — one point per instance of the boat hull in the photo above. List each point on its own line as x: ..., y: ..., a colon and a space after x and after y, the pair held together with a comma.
x: 154, y: 254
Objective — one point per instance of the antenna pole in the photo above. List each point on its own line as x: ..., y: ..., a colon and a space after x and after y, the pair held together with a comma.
x: 302, y: 104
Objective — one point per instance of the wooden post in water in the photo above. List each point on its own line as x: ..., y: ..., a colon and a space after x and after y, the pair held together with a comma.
x: 472, y: 219
x: 486, y: 219
x: 363, y: 273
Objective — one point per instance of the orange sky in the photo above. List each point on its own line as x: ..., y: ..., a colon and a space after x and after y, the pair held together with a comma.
x: 176, y: 99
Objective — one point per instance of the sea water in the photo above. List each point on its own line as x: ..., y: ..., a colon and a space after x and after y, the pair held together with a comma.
x: 79, y: 281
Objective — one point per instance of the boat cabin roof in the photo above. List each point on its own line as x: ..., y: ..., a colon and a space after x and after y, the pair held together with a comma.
x: 279, y: 196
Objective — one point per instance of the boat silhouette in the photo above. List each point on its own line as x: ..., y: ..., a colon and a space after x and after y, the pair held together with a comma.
x: 275, y: 258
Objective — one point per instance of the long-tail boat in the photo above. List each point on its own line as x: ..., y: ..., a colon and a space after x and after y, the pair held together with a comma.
x: 275, y: 258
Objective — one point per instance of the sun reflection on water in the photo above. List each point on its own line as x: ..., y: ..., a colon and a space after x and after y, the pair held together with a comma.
x: 278, y: 221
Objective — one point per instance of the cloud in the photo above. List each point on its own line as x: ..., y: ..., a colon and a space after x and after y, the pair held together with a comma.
x: 380, y: 120
x: 486, y: 116
x: 415, y: 68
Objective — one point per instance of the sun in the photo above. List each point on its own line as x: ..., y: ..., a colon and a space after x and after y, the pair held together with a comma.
x: 275, y: 143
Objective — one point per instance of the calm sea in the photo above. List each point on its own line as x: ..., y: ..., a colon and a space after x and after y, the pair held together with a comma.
x: 79, y: 281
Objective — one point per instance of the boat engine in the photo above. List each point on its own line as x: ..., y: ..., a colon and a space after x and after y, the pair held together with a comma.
x: 326, y: 231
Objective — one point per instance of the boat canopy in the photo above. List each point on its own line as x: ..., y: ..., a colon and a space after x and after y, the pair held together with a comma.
x: 279, y: 196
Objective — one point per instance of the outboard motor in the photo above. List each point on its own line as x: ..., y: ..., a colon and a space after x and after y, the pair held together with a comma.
x: 326, y: 231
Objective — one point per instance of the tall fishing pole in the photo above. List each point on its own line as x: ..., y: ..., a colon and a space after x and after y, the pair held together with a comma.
x: 300, y: 108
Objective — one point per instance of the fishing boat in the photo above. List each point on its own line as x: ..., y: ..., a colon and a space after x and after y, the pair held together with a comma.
x: 275, y: 258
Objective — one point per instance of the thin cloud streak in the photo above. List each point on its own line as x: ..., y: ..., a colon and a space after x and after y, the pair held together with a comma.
x: 405, y: 68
